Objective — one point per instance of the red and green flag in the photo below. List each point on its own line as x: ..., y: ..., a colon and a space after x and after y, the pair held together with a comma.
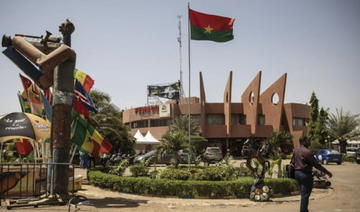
x: 210, y: 27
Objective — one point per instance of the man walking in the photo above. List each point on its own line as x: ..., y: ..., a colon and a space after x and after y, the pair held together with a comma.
x: 304, y: 162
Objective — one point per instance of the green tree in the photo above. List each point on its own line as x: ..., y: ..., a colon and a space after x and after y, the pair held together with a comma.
x: 320, y: 129
x: 171, y: 143
x: 343, y: 127
x: 197, y: 142
x: 177, y: 138
x: 317, y: 131
x: 281, y: 143
x: 181, y: 123
x: 108, y: 121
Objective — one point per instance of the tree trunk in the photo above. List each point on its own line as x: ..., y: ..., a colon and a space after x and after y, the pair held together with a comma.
x: 343, y: 145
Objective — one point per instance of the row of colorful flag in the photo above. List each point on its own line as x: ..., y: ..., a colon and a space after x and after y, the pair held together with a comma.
x: 39, y: 102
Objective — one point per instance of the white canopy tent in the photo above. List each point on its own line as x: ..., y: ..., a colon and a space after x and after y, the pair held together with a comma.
x: 144, y: 143
x: 150, y: 138
x: 138, y: 135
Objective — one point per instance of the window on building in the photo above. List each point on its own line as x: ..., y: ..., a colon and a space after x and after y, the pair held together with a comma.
x: 160, y: 122
x: 238, y: 119
x: 215, y: 119
x: 300, y: 122
x: 196, y: 118
x: 139, y: 124
x: 261, y: 119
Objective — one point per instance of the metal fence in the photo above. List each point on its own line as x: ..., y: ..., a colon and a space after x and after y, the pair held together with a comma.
x: 29, y: 180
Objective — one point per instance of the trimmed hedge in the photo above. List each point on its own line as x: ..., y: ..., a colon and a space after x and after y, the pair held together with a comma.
x: 186, y: 188
x: 207, y: 173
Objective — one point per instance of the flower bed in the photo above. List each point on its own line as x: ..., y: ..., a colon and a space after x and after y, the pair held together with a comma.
x: 187, y: 188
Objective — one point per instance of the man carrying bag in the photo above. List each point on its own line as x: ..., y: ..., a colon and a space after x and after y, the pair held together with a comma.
x: 304, y: 161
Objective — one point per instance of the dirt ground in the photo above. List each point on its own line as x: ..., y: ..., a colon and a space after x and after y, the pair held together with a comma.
x: 344, y: 196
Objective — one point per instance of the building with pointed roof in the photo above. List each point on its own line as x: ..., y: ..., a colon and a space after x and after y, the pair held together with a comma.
x: 229, y: 123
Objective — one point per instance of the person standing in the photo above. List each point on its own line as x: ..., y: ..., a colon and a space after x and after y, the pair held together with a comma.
x: 304, y: 162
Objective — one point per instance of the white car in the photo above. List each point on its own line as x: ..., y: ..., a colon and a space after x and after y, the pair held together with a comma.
x: 351, y: 151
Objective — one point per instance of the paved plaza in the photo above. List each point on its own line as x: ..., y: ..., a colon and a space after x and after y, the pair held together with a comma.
x: 343, y: 197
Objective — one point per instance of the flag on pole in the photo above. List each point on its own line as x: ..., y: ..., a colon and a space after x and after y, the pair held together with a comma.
x: 49, y: 96
x: 33, y: 93
x: 24, y: 103
x: 86, y: 137
x: 47, y: 106
x: 85, y: 80
x: 25, y: 81
x: 210, y: 27
x: 23, y: 146
x: 82, y: 101
x: 33, y: 96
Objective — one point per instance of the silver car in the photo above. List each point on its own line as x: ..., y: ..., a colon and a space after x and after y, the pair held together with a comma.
x: 213, y: 154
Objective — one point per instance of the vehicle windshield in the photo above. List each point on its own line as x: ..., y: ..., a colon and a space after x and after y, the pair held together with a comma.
x: 351, y: 149
x: 149, y: 153
x: 214, y: 150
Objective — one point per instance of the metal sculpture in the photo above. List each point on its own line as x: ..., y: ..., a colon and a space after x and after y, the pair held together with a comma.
x: 257, y: 149
x: 54, y: 65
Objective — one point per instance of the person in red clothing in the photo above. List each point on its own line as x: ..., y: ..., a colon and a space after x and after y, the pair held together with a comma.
x: 304, y: 162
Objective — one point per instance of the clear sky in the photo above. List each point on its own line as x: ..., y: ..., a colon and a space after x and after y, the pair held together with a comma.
x: 127, y: 45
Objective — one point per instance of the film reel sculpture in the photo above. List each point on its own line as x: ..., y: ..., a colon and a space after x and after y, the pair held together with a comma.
x: 257, y: 149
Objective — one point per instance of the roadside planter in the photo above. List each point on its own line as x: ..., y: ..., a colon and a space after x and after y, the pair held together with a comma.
x: 238, y: 188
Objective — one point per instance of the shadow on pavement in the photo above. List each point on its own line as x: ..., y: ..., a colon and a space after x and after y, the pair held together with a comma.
x: 113, y: 202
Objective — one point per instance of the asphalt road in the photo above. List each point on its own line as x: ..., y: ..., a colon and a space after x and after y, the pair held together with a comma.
x: 343, y: 197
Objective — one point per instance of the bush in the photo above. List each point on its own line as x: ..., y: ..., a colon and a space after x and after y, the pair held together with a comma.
x: 211, y: 173
x: 120, y: 169
x: 154, y: 174
x: 175, y: 174
x: 139, y: 170
x: 347, y: 158
x: 180, y: 188
x: 215, y: 173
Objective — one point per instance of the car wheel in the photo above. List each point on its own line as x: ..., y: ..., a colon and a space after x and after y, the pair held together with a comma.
x: 338, y: 163
x: 358, y: 161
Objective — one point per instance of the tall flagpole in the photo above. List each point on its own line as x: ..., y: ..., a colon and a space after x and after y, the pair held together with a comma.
x: 180, y: 57
x: 189, y: 38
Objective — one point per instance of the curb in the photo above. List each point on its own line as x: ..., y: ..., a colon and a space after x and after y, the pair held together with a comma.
x: 171, y: 202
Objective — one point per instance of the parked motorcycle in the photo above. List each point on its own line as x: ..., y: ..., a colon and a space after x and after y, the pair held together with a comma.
x: 320, y: 180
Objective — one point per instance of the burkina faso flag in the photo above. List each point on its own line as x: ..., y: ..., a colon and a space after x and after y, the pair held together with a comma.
x: 210, y: 27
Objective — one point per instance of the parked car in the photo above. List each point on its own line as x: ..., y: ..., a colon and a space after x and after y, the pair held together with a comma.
x: 358, y: 156
x: 212, y: 154
x: 166, y: 159
x: 326, y: 156
x: 351, y: 151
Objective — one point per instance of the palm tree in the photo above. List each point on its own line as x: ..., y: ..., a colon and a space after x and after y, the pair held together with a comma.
x: 182, y: 123
x: 281, y: 142
x: 108, y: 121
x: 197, y: 143
x: 171, y: 143
x: 343, y: 126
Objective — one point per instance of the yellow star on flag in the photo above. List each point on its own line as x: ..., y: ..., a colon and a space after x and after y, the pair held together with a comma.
x: 208, y: 29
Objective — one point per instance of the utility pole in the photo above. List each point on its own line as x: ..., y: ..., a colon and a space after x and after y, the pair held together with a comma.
x: 179, y: 38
